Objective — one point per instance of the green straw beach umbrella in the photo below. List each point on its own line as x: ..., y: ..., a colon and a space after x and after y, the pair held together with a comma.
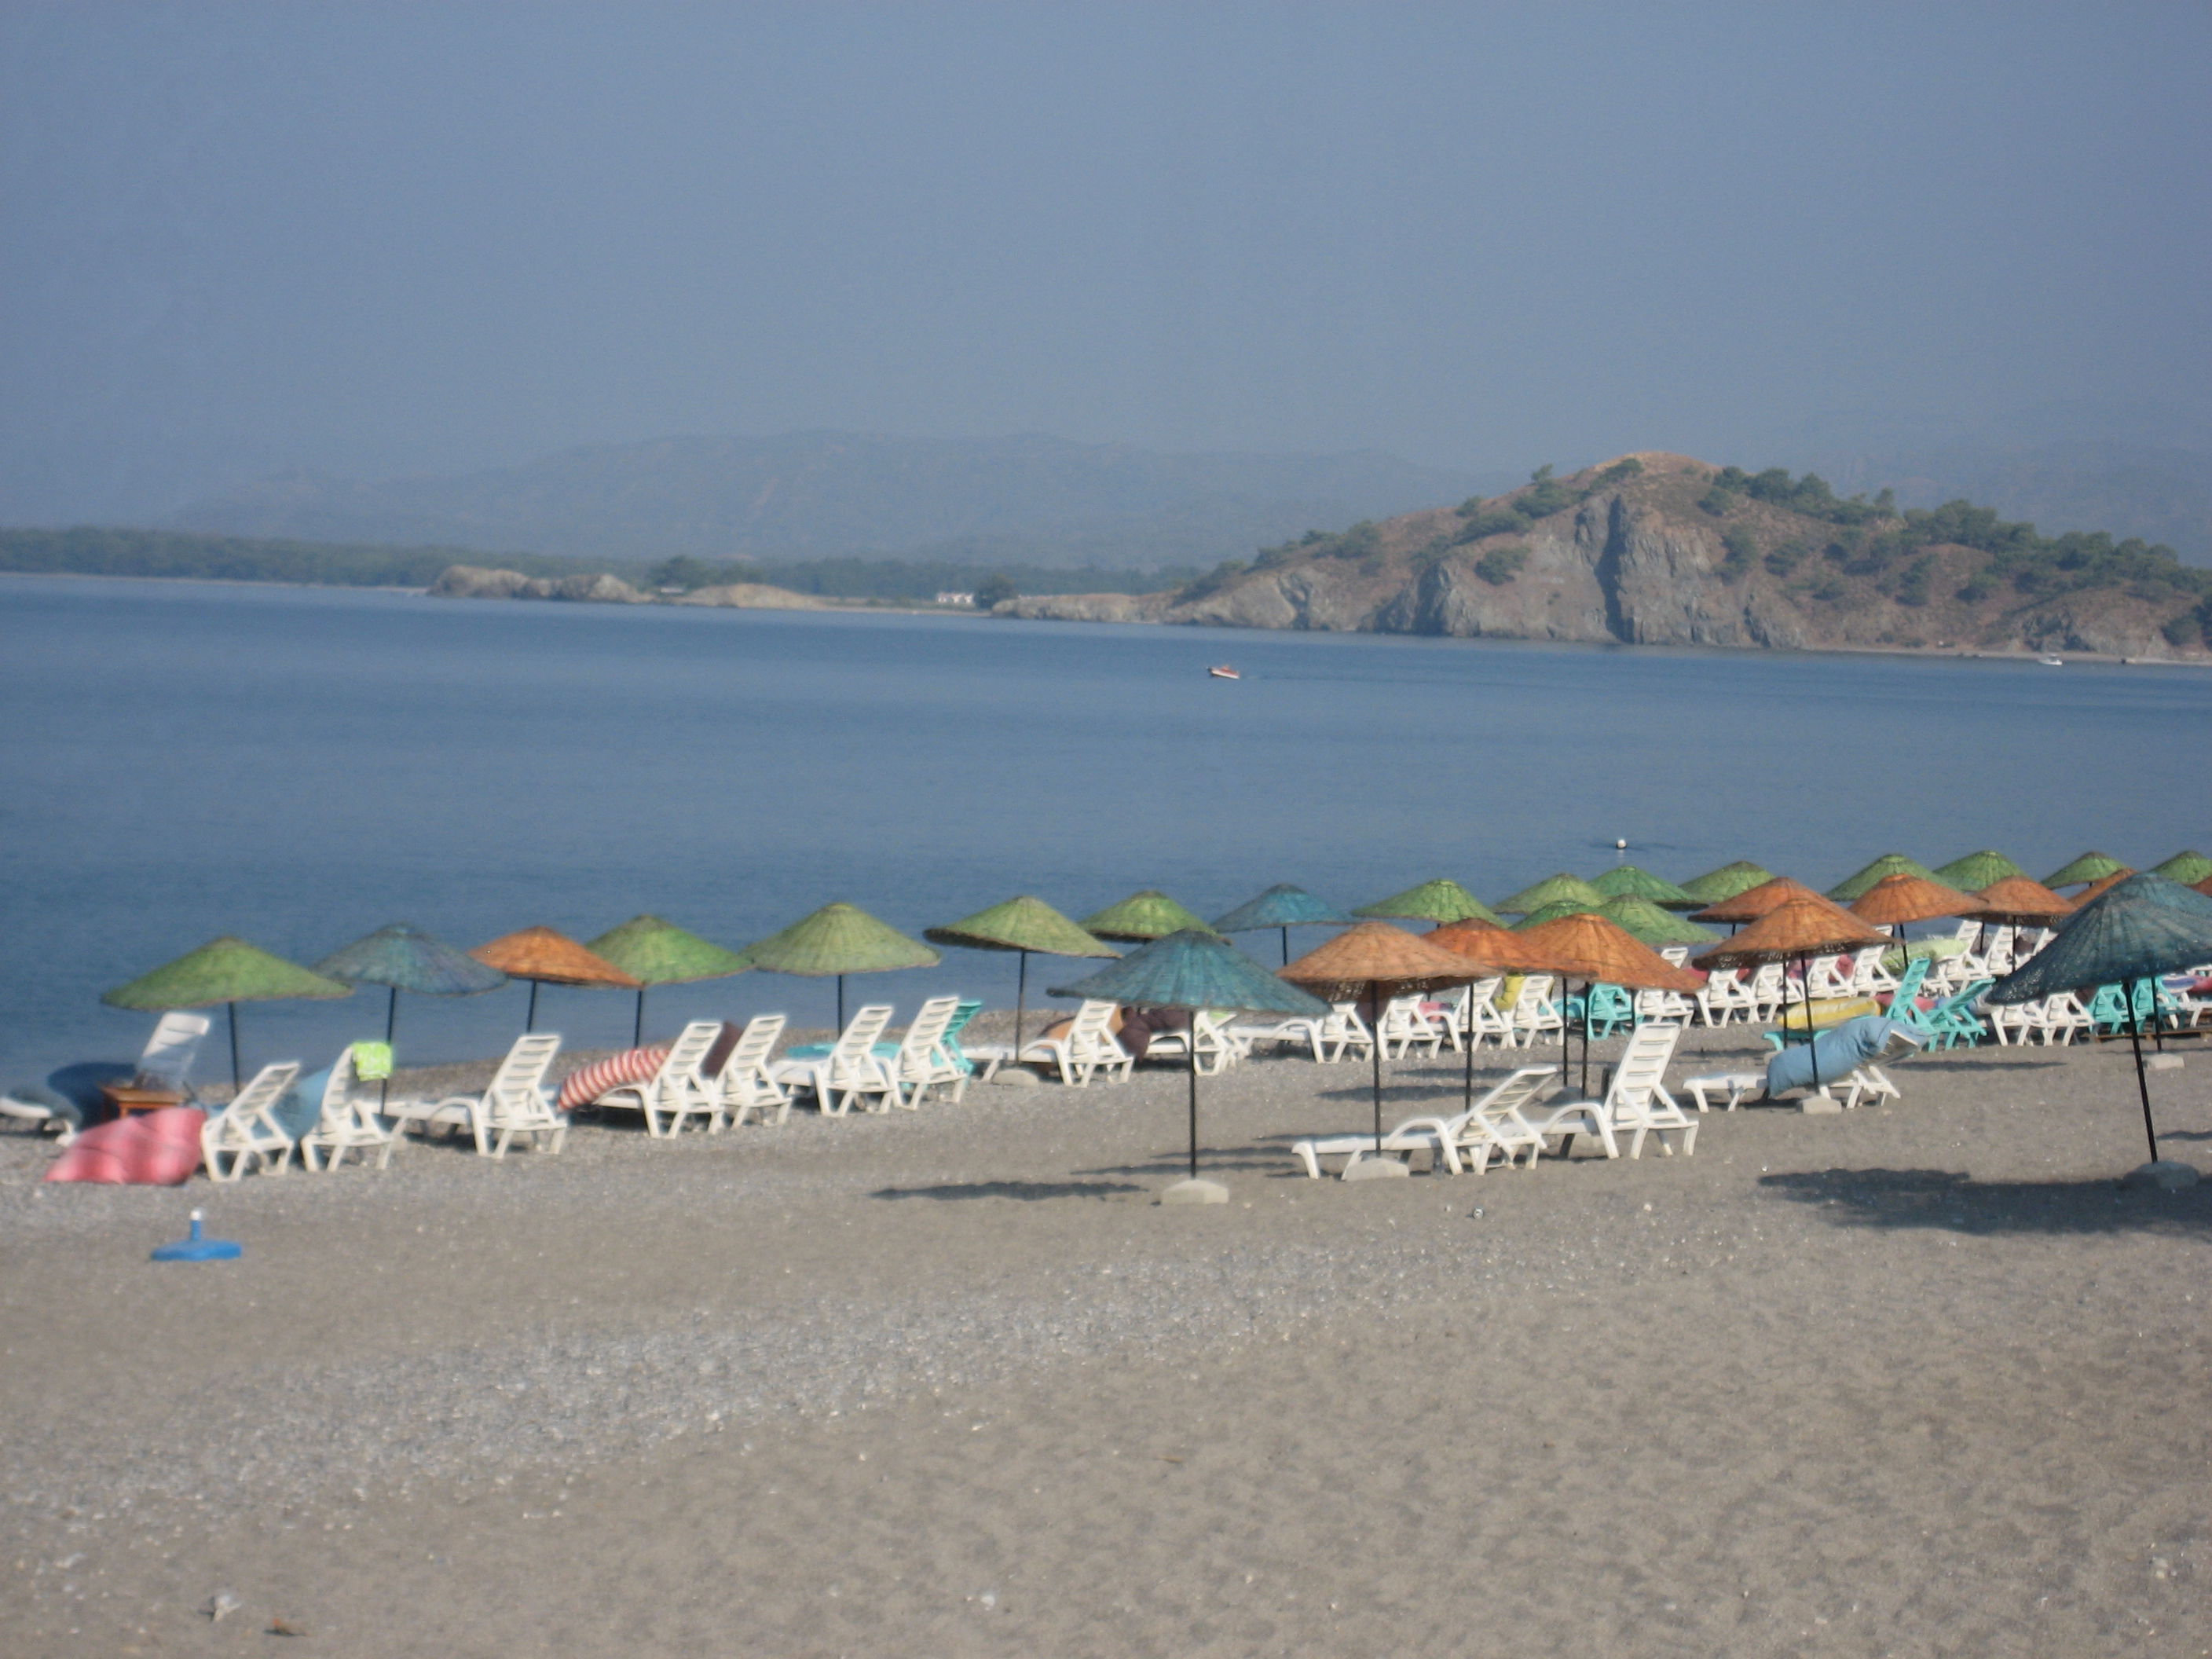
x: 2143, y: 927
x: 1852, y: 887
x: 1644, y: 920
x: 1976, y: 871
x: 229, y: 971
x: 1555, y: 909
x: 1716, y: 886
x: 1627, y: 879
x: 1283, y: 906
x: 839, y: 939
x: 2187, y: 868
x: 656, y: 953
x: 1025, y: 925
x: 2090, y: 866
x: 404, y: 958
x: 1195, y: 970
x: 1550, y: 890
x: 1142, y: 917
x: 1443, y: 901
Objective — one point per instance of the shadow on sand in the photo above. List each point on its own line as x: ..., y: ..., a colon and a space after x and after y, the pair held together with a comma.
x: 1028, y: 1192
x: 1953, y: 1202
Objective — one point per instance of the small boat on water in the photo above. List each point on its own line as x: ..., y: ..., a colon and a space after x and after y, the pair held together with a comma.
x: 1224, y: 672
x: 2052, y: 662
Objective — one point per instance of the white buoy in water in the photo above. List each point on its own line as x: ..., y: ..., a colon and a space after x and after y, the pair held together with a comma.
x: 1620, y: 846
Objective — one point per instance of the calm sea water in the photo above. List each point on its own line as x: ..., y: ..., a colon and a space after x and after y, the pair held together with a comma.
x: 299, y: 766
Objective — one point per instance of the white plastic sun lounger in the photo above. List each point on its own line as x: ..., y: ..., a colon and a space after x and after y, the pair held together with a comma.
x: 516, y: 1103
x: 1219, y: 1047
x: 746, y: 1084
x: 922, y: 1063
x: 851, y: 1071
x: 1494, y: 1124
x: 1635, y: 1102
x: 676, y: 1091
x: 346, y: 1121
x: 245, y: 1131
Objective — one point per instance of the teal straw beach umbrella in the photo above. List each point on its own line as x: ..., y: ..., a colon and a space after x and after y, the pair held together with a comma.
x: 1283, y: 906
x: 404, y: 958
x: 1194, y: 971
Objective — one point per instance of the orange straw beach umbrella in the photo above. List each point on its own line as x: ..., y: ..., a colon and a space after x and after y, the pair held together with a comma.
x: 2102, y: 885
x: 1895, y: 900
x: 1598, y: 951
x: 1795, y: 930
x: 1753, y: 902
x: 1489, y: 949
x: 1373, y: 956
x: 546, y: 958
x: 2017, y: 901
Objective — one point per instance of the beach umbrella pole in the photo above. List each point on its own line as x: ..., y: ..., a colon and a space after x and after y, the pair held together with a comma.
x: 390, y: 1027
x: 1469, y: 1102
x: 529, y: 1021
x: 235, y: 1084
x: 2143, y: 1084
x: 841, y: 1004
x: 1287, y: 946
x: 1193, y: 1047
x: 1375, y: 1056
x: 1021, y: 996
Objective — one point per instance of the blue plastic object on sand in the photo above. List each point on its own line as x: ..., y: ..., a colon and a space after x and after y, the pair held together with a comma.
x: 197, y: 1248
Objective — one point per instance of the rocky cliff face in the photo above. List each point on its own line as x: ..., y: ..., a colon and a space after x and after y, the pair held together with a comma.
x: 1641, y: 551
x: 469, y: 581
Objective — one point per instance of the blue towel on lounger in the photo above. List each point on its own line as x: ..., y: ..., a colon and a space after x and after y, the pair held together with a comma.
x: 1837, y: 1050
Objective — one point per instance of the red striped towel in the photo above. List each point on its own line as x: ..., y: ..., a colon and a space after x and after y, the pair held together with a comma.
x: 587, y: 1083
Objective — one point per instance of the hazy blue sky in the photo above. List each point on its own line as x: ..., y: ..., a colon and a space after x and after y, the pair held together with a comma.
x: 375, y: 237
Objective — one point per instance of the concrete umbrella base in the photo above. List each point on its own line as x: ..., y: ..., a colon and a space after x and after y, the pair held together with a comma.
x: 1375, y: 1169
x: 2166, y: 1175
x: 1195, y: 1190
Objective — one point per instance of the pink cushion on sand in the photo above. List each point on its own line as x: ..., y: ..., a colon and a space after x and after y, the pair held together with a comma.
x: 147, y: 1149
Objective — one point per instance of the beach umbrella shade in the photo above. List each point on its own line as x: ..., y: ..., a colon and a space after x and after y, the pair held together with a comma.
x: 1149, y: 915
x: 1488, y: 951
x: 1802, y: 927
x: 1282, y: 907
x: 1441, y: 900
x: 1550, y: 890
x: 1194, y: 970
x: 1772, y: 894
x: 404, y: 958
x: 2187, y: 868
x: 2090, y: 866
x: 2016, y: 901
x: 839, y: 939
x: 1726, y: 882
x: 1976, y: 871
x: 2144, y: 927
x: 1374, y: 956
x: 1023, y: 924
x: 1655, y: 925
x: 1626, y: 881
x: 1889, y: 864
x: 1554, y: 910
x: 226, y: 970
x: 653, y: 952
x: 546, y: 958
x: 1895, y: 900
x: 1597, y: 951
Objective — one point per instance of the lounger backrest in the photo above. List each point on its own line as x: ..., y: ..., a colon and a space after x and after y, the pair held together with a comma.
x: 170, y: 1050
x: 755, y: 1044
x: 1535, y: 991
x: 927, y: 1030
x: 266, y: 1089
x: 338, y: 1091
x: 523, y: 1072
x: 1643, y: 1068
x: 857, y: 1041
x: 1522, y: 1088
x: 1767, y: 980
x: 689, y: 1051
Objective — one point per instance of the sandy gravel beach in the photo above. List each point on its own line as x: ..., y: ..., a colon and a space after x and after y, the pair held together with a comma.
x: 1921, y: 1380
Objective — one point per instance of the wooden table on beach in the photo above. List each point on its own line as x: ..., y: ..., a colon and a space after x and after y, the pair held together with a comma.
x: 127, y: 1099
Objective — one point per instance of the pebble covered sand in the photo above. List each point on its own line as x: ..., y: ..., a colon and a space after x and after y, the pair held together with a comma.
x: 1917, y: 1379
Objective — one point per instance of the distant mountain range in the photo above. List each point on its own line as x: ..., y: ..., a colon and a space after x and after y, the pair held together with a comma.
x: 1025, y: 500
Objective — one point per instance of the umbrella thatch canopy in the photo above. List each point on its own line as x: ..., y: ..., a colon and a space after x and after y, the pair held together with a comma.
x: 657, y: 952
x: 226, y: 970
x: 2102, y: 885
x: 1193, y: 969
x: 2187, y: 868
x: 546, y: 958
x: 1025, y: 925
x: 1626, y: 881
x: 1550, y: 890
x: 406, y: 958
x: 836, y: 940
x: 1441, y: 900
x: 2016, y: 900
x: 1149, y: 915
x: 1282, y: 907
x: 1976, y: 871
x: 2090, y: 866
x: 1553, y: 911
x: 2142, y: 927
x: 1801, y: 926
x: 1594, y: 949
x: 1653, y: 925
x: 1895, y: 900
x: 1490, y: 949
x: 1382, y: 960
x: 1753, y: 903
x: 1889, y: 864
x: 1726, y: 882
